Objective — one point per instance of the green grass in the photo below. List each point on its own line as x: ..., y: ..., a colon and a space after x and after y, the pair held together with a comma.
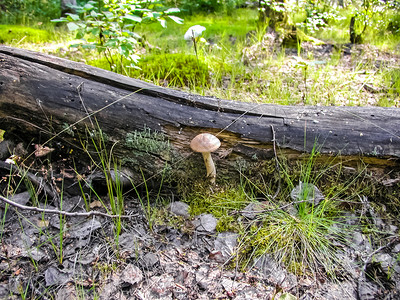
x: 14, y: 34
x: 303, y: 242
x: 219, y: 28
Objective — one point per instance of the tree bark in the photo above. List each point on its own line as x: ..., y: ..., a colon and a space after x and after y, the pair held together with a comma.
x: 44, y: 97
x: 66, y: 6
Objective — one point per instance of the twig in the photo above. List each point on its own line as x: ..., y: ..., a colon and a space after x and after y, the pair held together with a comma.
x: 79, y: 88
x: 60, y: 212
x: 33, y: 178
x: 276, y: 162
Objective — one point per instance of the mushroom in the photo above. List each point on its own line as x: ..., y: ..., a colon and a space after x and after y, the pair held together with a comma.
x: 205, y: 143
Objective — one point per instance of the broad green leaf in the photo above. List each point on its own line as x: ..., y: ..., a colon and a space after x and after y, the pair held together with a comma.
x: 59, y: 20
x: 94, y: 14
x: 80, y: 34
x: 73, y: 17
x: 155, y: 15
x: 109, y: 15
x: 88, y: 6
x: 132, y: 18
x: 176, y: 19
x: 97, y: 23
x: 135, y: 35
x: 89, y: 46
x: 172, y: 10
x: 72, y: 26
x: 111, y: 43
x: 163, y: 22
x: 95, y: 31
x: 132, y: 40
x: 134, y: 57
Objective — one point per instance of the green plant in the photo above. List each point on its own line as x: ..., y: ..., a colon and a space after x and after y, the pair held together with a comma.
x: 146, y: 203
x: 302, y: 242
x: 173, y: 70
x: 205, y: 6
x: 302, y: 234
x: 111, y: 169
x: 109, y: 28
x: 304, y: 65
x: 369, y: 13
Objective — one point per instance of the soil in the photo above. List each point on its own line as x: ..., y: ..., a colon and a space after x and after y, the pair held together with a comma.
x: 187, y: 259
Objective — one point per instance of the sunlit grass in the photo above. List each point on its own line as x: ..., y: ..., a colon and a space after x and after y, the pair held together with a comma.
x: 219, y: 28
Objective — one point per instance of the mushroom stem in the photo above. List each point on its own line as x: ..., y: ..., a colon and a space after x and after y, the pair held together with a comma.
x: 211, y: 173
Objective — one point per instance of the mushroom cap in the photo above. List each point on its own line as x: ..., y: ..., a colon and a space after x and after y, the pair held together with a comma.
x: 194, y: 32
x: 205, y: 142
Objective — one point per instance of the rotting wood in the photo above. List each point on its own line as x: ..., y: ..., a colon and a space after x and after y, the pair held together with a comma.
x: 42, y: 96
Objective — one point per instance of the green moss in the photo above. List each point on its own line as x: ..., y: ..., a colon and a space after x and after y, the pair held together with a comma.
x: 219, y: 203
x: 147, y: 141
x: 173, y: 70
x: 15, y: 34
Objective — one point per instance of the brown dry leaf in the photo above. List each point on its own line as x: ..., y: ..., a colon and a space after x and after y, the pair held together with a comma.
x: 66, y: 174
x: 96, y: 203
x: 42, y: 223
x: 42, y: 151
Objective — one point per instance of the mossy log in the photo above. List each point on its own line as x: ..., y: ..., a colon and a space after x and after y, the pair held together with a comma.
x: 43, y: 97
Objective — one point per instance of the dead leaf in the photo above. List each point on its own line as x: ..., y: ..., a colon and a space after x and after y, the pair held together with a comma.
x: 43, y: 223
x: 95, y: 204
x: 42, y: 151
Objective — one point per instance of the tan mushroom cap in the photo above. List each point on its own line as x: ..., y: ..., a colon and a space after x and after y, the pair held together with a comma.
x: 205, y: 142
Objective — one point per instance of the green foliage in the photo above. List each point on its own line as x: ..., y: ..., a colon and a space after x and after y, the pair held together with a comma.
x: 109, y: 28
x: 206, y: 6
x: 28, y: 11
x: 375, y: 15
x: 10, y: 34
x: 173, y: 70
x: 318, y: 15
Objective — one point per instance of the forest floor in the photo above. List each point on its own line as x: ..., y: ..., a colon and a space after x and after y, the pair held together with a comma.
x: 45, y: 256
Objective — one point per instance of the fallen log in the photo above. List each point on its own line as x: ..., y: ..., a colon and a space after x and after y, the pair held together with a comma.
x: 44, y: 97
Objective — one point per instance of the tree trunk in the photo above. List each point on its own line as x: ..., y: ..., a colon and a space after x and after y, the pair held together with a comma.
x: 66, y: 6
x: 44, y: 97
x: 354, y: 37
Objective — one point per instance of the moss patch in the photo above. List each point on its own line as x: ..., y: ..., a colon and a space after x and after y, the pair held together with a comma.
x: 174, y: 70
x: 15, y: 34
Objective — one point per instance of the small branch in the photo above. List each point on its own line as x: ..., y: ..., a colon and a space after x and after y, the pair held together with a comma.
x: 39, y: 182
x: 60, y: 212
x: 79, y: 88
x: 276, y: 162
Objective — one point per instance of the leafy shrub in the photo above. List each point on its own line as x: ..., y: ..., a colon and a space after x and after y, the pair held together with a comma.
x: 173, y: 70
x: 108, y: 27
x: 205, y: 6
